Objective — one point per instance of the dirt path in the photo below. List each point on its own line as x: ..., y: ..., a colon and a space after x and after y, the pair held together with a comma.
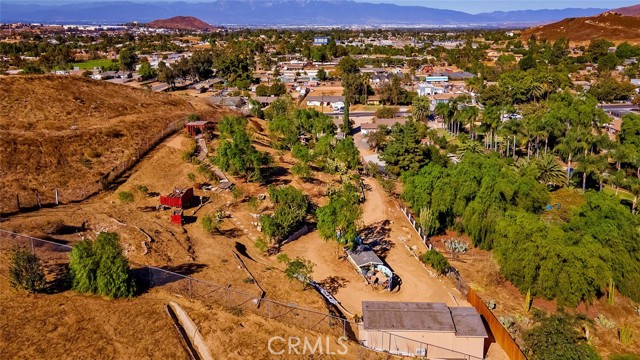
x: 382, y: 226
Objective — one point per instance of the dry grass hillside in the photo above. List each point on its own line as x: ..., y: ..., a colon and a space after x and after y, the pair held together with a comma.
x: 610, y: 26
x: 66, y: 132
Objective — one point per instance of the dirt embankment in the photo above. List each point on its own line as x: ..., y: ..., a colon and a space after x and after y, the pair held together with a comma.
x: 65, y: 132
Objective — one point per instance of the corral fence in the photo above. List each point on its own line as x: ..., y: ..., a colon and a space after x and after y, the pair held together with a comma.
x: 501, y: 335
x: 55, y: 254
x: 50, y: 197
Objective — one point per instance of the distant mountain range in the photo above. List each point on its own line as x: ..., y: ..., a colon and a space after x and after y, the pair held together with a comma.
x: 275, y: 12
x: 633, y: 10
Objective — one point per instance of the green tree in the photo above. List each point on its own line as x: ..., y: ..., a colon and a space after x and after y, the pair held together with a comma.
x: 25, y: 270
x: 99, y: 267
x: 146, y: 71
x: 299, y: 269
x: 128, y: 58
x: 290, y: 209
x: 322, y: 74
x: 338, y: 219
x: 556, y: 337
x: 386, y: 112
x: 421, y: 108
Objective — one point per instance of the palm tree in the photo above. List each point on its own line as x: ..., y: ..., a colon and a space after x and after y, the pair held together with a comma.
x: 420, y: 109
x: 569, y: 146
x: 443, y: 110
x: 550, y: 171
x: 633, y: 185
x: 590, y: 165
x: 469, y: 147
x: 491, y: 122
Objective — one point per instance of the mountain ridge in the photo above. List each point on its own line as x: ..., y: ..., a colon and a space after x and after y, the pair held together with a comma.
x: 275, y: 12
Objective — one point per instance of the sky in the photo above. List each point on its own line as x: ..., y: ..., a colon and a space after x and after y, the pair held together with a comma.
x: 469, y: 6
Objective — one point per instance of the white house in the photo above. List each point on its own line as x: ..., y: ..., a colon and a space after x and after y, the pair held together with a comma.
x: 428, y: 89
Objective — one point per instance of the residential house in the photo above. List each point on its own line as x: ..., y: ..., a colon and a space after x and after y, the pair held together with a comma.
x: 425, y: 89
x: 325, y: 100
x: 367, y: 128
x: 429, y: 330
x: 232, y: 102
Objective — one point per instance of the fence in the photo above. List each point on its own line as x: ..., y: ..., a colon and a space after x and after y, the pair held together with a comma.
x: 25, y: 201
x: 502, y: 336
x: 56, y: 255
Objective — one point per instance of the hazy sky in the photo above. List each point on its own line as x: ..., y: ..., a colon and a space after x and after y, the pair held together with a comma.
x: 470, y: 6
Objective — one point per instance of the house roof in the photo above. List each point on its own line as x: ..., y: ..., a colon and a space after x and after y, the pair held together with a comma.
x: 326, y: 98
x: 416, y: 316
x: 422, y: 316
x: 467, y: 322
x: 363, y: 255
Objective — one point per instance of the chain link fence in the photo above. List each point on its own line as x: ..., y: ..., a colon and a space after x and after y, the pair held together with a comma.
x: 236, y: 301
x: 50, y: 197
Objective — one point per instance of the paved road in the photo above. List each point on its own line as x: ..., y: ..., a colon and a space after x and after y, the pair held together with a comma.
x: 365, y: 113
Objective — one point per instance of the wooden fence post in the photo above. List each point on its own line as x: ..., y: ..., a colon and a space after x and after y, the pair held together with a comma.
x: 57, y: 199
x: 38, y: 200
x: 18, y: 201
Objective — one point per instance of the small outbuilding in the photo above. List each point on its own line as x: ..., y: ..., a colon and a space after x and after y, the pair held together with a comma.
x: 195, y: 128
x: 177, y: 216
x: 369, y: 265
x: 179, y: 197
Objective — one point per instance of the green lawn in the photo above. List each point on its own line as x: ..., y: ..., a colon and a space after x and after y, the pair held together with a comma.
x: 622, y: 194
x: 89, y: 65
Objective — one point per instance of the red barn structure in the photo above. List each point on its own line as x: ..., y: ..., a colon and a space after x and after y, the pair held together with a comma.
x: 195, y: 128
x: 179, y: 197
x: 176, y: 216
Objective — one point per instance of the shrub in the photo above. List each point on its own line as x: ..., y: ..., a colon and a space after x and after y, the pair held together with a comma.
x: 437, y: 261
x: 210, y: 224
x: 261, y: 245
x: 625, y: 334
x: 605, y: 322
x: 142, y: 189
x: 25, y: 270
x: 125, y: 197
x: 98, y: 267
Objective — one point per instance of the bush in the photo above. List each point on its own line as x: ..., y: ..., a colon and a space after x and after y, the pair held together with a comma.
x: 437, y: 261
x: 210, y: 224
x: 98, y: 267
x: 125, y: 197
x: 25, y: 270
x: 142, y: 189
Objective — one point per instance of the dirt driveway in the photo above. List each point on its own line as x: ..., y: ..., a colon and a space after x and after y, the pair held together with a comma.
x: 383, y: 226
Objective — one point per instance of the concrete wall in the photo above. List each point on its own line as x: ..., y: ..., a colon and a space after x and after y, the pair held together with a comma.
x: 192, y: 331
x: 440, y: 344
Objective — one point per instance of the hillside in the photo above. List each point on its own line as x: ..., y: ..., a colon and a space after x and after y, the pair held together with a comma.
x: 633, y: 10
x: 66, y: 132
x: 182, y: 23
x: 610, y: 26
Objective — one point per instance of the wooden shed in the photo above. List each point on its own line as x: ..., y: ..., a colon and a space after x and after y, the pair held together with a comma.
x: 179, y: 197
x: 177, y: 216
x: 198, y: 127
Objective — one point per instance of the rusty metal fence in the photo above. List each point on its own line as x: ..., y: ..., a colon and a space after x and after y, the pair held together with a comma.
x: 502, y: 336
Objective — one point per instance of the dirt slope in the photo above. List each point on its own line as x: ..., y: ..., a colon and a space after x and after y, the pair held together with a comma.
x: 65, y: 132
x: 633, y: 10
x: 182, y: 23
x: 610, y: 26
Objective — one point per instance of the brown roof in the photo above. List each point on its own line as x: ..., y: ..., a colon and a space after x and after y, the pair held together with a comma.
x: 468, y: 322
x: 422, y: 316
x: 417, y: 316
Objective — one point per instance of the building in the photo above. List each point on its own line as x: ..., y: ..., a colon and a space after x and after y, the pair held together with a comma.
x: 232, y: 102
x: 429, y: 89
x: 179, y: 197
x: 195, y: 128
x: 367, y: 128
x: 177, y: 216
x: 327, y: 100
x: 320, y: 40
x: 436, y: 79
x: 430, y: 330
x: 369, y: 265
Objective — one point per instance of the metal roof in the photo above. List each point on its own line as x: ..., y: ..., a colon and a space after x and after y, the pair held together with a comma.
x: 363, y: 255
x: 422, y: 316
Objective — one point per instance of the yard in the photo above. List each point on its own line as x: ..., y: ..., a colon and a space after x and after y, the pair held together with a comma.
x: 91, y: 64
